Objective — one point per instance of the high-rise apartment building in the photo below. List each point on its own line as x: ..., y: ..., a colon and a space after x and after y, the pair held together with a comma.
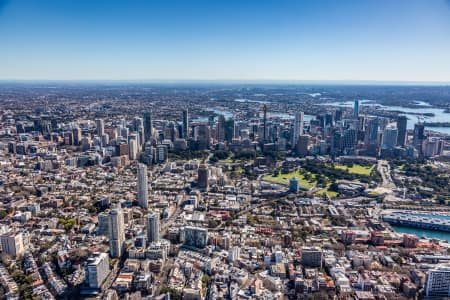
x: 153, y: 227
x: 103, y: 223
x: 97, y: 269
x: 116, y: 232
x: 194, y: 236
x: 142, y: 186
x: 12, y: 243
x: 312, y: 256
x: 438, y: 282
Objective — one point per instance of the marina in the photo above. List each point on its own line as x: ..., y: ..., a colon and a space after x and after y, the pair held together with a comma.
x: 429, y: 222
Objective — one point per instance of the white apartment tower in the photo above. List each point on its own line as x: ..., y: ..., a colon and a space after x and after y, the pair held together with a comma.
x: 97, y: 269
x: 12, y: 244
x: 142, y: 186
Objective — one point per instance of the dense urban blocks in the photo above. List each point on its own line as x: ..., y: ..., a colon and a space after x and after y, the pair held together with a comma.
x: 145, y: 191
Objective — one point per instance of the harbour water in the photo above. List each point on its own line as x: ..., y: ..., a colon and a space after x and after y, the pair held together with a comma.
x: 423, y: 232
x: 439, y: 114
x: 431, y: 234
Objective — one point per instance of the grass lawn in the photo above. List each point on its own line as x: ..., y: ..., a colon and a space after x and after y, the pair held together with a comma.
x: 226, y: 161
x: 284, y: 179
x: 401, y: 167
x: 357, y: 169
x: 330, y: 194
x: 304, y: 184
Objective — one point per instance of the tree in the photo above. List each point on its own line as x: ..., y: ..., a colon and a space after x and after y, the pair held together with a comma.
x: 334, y: 187
x: 221, y: 154
x: 174, y: 293
x: 67, y: 223
x: 213, y: 223
x: 206, y: 280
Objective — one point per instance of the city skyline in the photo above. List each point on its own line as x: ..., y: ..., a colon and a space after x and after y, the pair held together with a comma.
x: 239, y: 149
x: 381, y: 41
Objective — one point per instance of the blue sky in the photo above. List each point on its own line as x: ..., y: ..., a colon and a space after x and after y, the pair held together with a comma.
x: 386, y: 40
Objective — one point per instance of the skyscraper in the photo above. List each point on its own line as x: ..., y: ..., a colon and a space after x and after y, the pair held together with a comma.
x: 97, y: 269
x: 137, y: 128
x: 419, y: 136
x: 148, y: 125
x: 76, y: 136
x: 298, y: 127
x: 390, y: 135
x: 142, y: 186
x: 103, y: 223
x: 161, y: 153
x: 419, y: 133
x: 264, y: 123
x: 100, y: 124
x: 337, y: 142
x: 349, y: 140
x: 116, y: 232
x: 301, y: 148
x: 124, y: 132
x: 372, y: 133
x: 202, y: 136
x: 229, y: 130
x: 402, y: 133
x: 220, y: 129
x: 338, y: 115
x: 137, y: 123
x: 171, y: 131
x: 328, y: 120
x: 153, y: 227
x: 356, y: 109
x: 185, y: 124
x: 202, y: 176
x: 133, y: 146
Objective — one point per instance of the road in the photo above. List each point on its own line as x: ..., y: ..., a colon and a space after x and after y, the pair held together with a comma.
x: 169, y: 221
x: 385, y: 170
x: 387, y: 186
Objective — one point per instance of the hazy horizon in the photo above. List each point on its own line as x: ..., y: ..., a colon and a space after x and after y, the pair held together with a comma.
x: 231, y: 82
